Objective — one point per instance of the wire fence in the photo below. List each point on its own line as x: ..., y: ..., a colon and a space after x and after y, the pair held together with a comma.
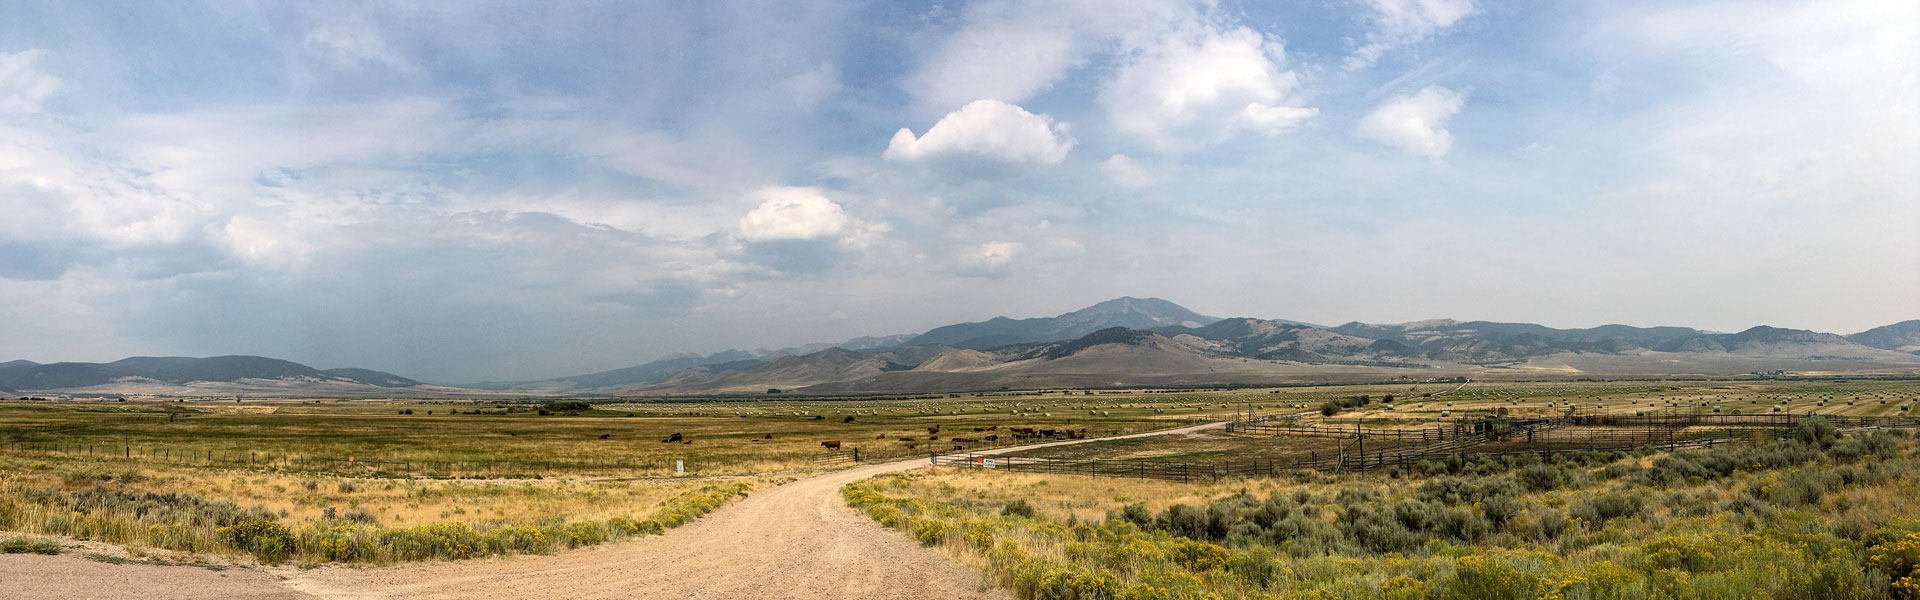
x: 386, y: 466
x: 361, y: 465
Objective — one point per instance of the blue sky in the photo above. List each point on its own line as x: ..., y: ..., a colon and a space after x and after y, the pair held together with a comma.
x: 473, y: 191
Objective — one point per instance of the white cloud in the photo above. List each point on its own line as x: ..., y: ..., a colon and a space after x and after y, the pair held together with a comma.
x: 1013, y: 49
x: 22, y: 86
x: 1204, y: 84
x: 1401, y: 22
x: 988, y: 130
x: 988, y: 259
x: 1416, y: 123
x: 794, y: 213
x: 1127, y: 172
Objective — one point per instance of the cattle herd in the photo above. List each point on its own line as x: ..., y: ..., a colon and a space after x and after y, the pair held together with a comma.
x: 1018, y: 433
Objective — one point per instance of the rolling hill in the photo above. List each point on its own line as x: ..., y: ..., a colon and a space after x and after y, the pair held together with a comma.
x: 184, y: 375
x: 1899, y: 337
x: 1129, y: 312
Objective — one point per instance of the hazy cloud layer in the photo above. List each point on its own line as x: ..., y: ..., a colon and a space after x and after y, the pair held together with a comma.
x: 488, y: 192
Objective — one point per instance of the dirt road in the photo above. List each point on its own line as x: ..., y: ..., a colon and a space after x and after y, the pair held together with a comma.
x: 797, y: 540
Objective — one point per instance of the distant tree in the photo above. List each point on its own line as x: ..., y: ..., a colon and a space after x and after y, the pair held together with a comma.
x: 1329, y: 408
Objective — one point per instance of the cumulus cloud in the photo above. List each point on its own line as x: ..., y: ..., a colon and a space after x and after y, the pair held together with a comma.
x: 794, y: 213
x: 1180, y: 71
x: 1204, y: 84
x: 22, y: 85
x: 800, y: 229
x: 1401, y: 22
x: 988, y: 259
x: 1415, y: 123
x: 988, y: 131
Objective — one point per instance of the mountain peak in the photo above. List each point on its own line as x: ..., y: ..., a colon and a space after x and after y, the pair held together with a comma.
x: 1125, y: 311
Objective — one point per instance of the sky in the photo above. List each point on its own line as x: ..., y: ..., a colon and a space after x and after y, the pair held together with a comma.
x: 480, y: 191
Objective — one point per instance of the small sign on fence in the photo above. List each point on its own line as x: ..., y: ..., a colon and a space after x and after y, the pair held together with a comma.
x: 679, y: 466
x: 986, y: 462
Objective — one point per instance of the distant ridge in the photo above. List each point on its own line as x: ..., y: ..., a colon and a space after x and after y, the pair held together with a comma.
x: 1899, y: 337
x: 1121, y: 342
x: 1125, y: 311
x: 178, y: 370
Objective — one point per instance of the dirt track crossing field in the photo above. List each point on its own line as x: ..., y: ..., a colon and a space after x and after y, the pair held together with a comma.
x: 797, y: 540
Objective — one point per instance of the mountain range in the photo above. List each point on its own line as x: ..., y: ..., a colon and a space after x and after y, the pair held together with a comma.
x: 1121, y: 342
x: 213, y: 376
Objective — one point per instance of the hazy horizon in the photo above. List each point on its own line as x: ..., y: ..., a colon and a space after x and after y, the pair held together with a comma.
x: 462, y: 193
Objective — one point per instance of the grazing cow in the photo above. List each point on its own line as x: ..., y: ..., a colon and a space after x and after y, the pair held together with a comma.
x: 933, y: 438
x: 831, y: 445
x: 963, y: 440
x: 959, y: 447
x: 908, y: 439
x: 933, y: 430
x: 910, y: 446
x: 979, y: 429
x: 767, y: 437
x: 993, y: 437
x: 880, y: 437
x: 671, y: 439
x: 687, y: 441
x: 605, y: 435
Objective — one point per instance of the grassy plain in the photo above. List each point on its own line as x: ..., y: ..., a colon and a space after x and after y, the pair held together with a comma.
x: 135, y: 472
x: 1822, y: 515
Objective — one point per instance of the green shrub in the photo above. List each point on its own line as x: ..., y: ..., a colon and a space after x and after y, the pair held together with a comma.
x: 266, y: 540
x: 1480, y: 577
x: 26, y: 546
x: 1017, y: 508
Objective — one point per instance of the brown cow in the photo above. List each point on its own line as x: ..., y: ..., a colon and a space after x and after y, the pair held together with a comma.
x: 767, y: 437
x: 605, y: 435
x: 670, y: 439
x: 908, y: 439
x: 880, y: 437
x: 933, y: 430
x: 993, y: 437
x: 831, y: 445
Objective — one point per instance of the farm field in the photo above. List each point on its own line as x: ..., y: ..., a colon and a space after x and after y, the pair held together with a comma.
x: 437, y: 480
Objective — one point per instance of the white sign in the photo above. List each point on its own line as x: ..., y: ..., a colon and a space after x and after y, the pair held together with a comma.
x: 680, y: 466
x: 986, y: 462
